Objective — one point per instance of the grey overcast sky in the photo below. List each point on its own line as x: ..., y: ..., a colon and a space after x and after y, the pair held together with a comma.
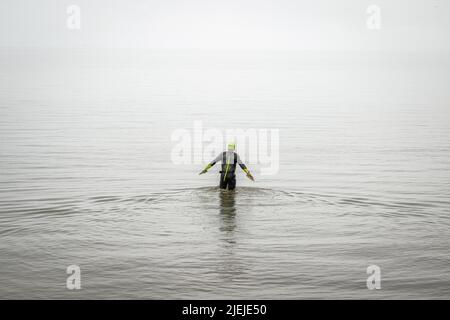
x: 228, y: 24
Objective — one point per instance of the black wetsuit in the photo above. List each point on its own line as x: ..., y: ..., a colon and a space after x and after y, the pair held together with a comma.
x: 228, y: 173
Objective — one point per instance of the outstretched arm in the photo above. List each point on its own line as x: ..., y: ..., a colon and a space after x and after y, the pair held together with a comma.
x: 217, y: 159
x: 244, y: 167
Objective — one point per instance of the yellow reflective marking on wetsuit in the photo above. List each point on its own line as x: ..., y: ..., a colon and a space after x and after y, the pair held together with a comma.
x: 226, y: 170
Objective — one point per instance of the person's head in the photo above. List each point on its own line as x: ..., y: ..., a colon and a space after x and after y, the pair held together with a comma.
x: 231, y: 146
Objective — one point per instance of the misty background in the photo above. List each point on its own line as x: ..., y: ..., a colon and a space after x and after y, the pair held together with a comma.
x: 328, y: 25
x: 86, y: 177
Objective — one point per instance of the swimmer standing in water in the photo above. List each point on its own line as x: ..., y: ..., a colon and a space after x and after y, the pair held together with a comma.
x: 229, y: 160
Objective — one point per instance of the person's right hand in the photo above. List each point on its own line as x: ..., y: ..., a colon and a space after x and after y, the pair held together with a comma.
x: 203, y: 171
x: 249, y: 175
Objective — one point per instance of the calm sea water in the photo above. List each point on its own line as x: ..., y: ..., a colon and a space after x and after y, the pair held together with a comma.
x: 87, y: 178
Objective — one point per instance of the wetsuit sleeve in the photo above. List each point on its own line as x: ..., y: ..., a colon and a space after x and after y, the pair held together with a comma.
x: 241, y: 164
x: 217, y: 159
